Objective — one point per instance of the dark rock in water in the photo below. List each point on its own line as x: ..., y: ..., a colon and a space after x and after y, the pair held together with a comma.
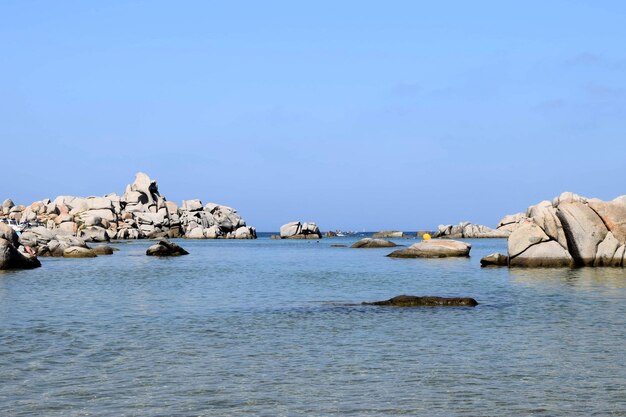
x: 427, y: 301
x: 338, y: 246
x: 495, y: 259
x: 104, y: 250
x: 373, y: 243
x: 166, y: 248
x: 11, y: 258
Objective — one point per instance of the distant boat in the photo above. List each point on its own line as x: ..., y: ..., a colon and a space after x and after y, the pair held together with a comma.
x: 18, y: 227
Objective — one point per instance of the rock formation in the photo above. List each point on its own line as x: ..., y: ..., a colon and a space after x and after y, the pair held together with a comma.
x: 373, y: 243
x: 570, y: 231
x: 389, y: 234
x: 12, y: 254
x: 427, y: 301
x: 434, y: 249
x: 140, y: 213
x: 166, y: 248
x: 297, y: 230
x: 467, y: 230
x: 494, y: 259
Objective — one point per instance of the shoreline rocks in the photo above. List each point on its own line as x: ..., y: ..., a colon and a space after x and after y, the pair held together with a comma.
x: 140, y: 213
x: 426, y: 301
x: 434, y: 249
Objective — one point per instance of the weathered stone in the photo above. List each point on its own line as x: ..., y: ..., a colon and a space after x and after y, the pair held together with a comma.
x: 78, y: 252
x: 544, y: 215
x: 495, y: 259
x: 525, y: 236
x: 7, y: 232
x: 544, y: 254
x: 290, y: 229
x: 388, y: 234
x: 373, y: 243
x: 104, y: 250
x: 606, y: 252
x: 584, y: 230
x: 166, y: 248
x: 612, y: 214
x: 468, y: 230
x: 12, y: 258
x: 427, y: 301
x: 94, y: 234
x: 196, y: 233
x: 434, y: 249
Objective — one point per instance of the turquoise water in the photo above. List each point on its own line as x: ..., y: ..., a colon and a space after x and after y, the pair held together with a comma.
x: 274, y: 328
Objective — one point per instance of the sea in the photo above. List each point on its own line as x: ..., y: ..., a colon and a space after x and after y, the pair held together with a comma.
x: 276, y: 328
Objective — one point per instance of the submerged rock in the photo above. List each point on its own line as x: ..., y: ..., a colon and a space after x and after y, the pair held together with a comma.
x: 434, y: 249
x: 426, y: 301
x: 373, y: 243
x: 166, y: 248
x: 495, y: 259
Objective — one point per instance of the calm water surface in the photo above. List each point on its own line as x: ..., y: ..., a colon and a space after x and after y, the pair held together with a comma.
x: 274, y: 328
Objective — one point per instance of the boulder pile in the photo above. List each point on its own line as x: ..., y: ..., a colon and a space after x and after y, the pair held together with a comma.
x: 298, y: 230
x: 140, y: 213
x: 570, y: 231
x: 467, y: 230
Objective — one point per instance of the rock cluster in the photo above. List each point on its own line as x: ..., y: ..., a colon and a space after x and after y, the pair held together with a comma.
x: 298, y: 230
x: 467, y: 230
x: 13, y: 255
x: 570, y: 231
x: 141, y: 212
x: 434, y: 249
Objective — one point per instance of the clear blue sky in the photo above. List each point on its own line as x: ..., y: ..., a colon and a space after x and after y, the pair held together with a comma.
x: 354, y: 114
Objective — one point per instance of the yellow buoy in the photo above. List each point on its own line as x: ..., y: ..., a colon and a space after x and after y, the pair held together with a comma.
x: 426, y: 236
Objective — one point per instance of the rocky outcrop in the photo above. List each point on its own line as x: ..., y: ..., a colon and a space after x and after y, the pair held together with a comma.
x: 140, y: 213
x: 434, y: 249
x: 79, y: 252
x: 12, y: 254
x: 389, y: 234
x: 213, y: 221
x: 570, y: 230
x: 166, y: 248
x: 427, y: 301
x: 298, y: 230
x: 510, y: 222
x: 373, y: 243
x: 467, y: 230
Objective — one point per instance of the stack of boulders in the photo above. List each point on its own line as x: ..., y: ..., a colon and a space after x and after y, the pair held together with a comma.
x: 570, y: 231
x: 141, y: 212
x: 298, y: 230
x: 14, y: 255
x: 467, y: 230
x: 212, y: 221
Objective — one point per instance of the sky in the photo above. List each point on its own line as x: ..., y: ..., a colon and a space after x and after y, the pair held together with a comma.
x: 353, y: 114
